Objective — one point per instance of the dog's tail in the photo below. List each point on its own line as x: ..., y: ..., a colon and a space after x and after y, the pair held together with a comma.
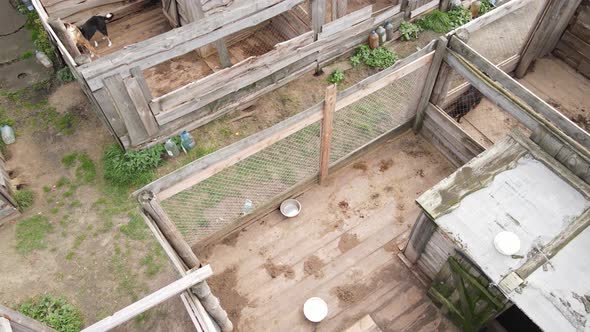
x: 109, y: 16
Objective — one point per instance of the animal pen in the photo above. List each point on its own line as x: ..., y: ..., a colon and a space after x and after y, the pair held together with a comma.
x: 182, y: 65
x: 203, y: 203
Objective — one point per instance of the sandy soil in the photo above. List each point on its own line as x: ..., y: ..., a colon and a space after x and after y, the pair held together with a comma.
x: 88, y: 261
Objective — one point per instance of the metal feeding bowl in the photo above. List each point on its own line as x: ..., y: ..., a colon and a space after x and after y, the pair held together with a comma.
x: 290, y: 208
x: 315, y: 309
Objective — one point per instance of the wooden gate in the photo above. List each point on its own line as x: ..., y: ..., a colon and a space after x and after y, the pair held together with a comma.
x: 465, y: 295
x: 171, y: 12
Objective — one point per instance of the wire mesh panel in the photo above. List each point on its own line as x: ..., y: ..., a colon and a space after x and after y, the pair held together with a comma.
x: 223, y: 198
x: 506, y: 37
x: 220, y: 200
x: 376, y: 114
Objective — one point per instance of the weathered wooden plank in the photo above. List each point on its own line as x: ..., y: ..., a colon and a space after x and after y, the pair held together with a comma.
x: 441, y: 48
x: 137, y: 73
x: 346, y: 21
x: 152, y: 300
x: 388, y: 14
x: 141, y: 106
x: 419, y: 237
x: 318, y: 16
x: 424, y: 9
x: 537, y: 104
x: 223, y: 53
x: 583, y: 47
x: 202, y: 92
x: 125, y: 108
x: 22, y: 321
x: 342, y: 8
x: 107, y: 107
x: 182, y: 40
x: 549, y: 28
x: 327, y: 125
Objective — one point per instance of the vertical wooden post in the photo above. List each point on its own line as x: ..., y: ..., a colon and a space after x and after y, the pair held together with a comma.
x: 444, y: 5
x: 419, y: 237
x: 334, y: 9
x: 223, y: 53
x: 550, y: 26
x: 318, y: 16
x: 405, y: 8
x: 342, y: 8
x: 152, y: 207
x: 327, y: 124
x: 441, y: 49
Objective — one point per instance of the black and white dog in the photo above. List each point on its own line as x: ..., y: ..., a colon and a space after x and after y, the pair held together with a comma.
x: 97, y: 23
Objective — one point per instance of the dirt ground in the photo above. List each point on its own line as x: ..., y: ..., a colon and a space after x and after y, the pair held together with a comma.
x: 87, y: 259
x: 342, y: 247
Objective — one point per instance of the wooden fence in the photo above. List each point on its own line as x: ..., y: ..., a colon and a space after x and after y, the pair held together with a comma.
x: 119, y: 92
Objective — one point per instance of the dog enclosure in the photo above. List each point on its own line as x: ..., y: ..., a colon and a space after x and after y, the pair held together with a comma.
x: 187, y: 63
x: 224, y: 192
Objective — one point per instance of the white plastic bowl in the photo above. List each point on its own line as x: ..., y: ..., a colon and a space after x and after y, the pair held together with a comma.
x: 507, y: 243
x: 315, y: 309
x: 290, y: 208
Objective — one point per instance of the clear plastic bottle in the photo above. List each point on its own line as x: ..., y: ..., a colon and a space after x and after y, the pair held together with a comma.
x: 43, y: 59
x: 187, y: 141
x: 248, y: 207
x: 7, y: 134
x: 171, y: 148
x: 382, y: 35
x: 389, y: 30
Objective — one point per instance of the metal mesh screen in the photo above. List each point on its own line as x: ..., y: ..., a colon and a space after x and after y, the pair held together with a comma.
x: 503, y: 38
x: 222, y: 199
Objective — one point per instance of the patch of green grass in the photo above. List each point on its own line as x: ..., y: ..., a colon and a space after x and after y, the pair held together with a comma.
x: 336, y: 77
x: 153, y: 261
x: 443, y: 22
x: 6, y: 120
x: 31, y: 233
x: 409, y: 31
x: 68, y: 193
x: 27, y: 55
x: 41, y: 85
x: 46, y: 189
x: 55, y: 312
x: 70, y: 159
x: 62, y: 182
x: 50, y: 200
x: 135, y: 228
x: 199, y: 152
x: 128, y: 282
x: 225, y: 132
x: 86, y: 170
x: 75, y: 203
x: 24, y: 198
x: 65, y: 123
x: 70, y: 255
x: 486, y: 6
x: 65, y: 75
x: 54, y: 210
x: 78, y: 241
x: 124, y: 169
x: 380, y: 57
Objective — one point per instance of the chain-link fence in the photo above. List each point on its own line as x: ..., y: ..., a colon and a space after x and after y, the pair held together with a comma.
x: 223, y: 198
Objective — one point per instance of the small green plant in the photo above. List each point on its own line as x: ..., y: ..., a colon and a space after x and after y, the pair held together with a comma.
x: 380, y: 57
x: 65, y: 75
x: 39, y: 36
x: 70, y: 159
x: 459, y: 16
x: 225, y: 132
x: 65, y: 123
x: 46, y: 189
x: 86, y: 170
x: 27, y: 55
x: 409, y: 31
x: 24, y: 199
x: 133, y: 167
x: 135, y: 228
x: 54, y: 311
x: 63, y: 181
x: 336, y: 77
x: 75, y: 203
x: 437, y: 21
x: 31, y: 233
x: 54, y: 210
x: 486, y: 6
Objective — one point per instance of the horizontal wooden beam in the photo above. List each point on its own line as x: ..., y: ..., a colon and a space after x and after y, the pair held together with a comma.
x: 536, y: 103
x: 346, y: 21
x: 176, y: 42
x: 152, y: 300
x: 23, y: 322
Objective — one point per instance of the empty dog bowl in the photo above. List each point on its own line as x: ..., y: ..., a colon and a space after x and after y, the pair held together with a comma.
x: 290, y: 208
x: 315, y: 309
x: 507, y: 243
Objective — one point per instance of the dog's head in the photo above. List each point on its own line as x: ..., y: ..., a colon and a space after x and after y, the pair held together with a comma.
x: 71, y: 28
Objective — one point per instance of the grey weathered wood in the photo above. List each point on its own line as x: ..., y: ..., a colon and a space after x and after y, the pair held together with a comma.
x: 444, y: 5
x: 107, y: 108
x: 5, y: 325
x: 537, y: 104
x: 21, y: 322
x: 141, y: 106
x: 137, y: 73
x: 192, y: 278
x: 197, y: 94
x: 388, y: 14
x: 318, y: 16
x: 424, y: 9
x: 223, y: 53
x: 326, y: 131
x: 182, y: 40
x: 342, y: 8
x: 441, y: 48
x: 406, y: 8
x: 126, y: 108
x: 419, y: 237
x: 549, y: 28
x: 346, y: 21
x: 574, y: 159
x: 153, y: 208
x: 441, y: 85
